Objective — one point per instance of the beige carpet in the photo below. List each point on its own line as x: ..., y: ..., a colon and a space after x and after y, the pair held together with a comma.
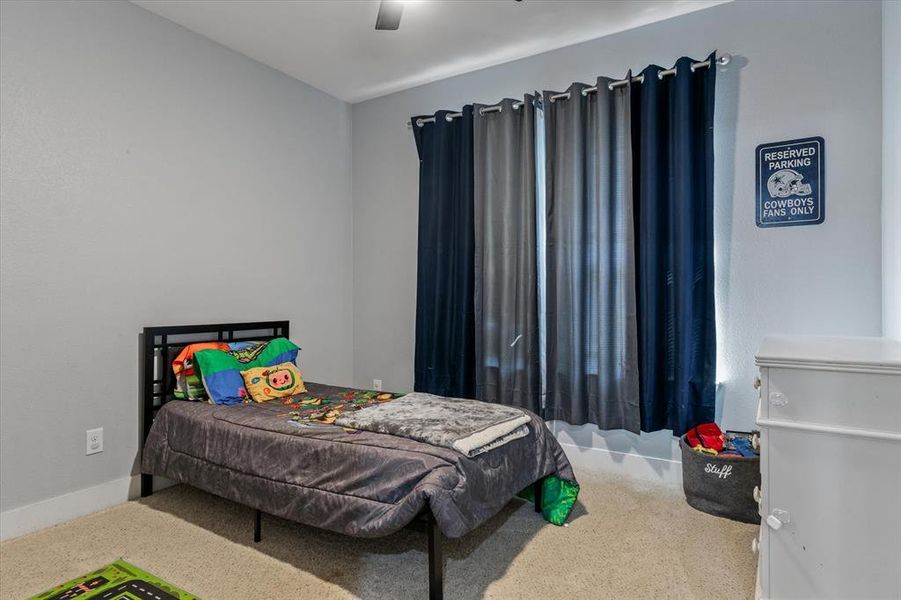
x: 626, y: 540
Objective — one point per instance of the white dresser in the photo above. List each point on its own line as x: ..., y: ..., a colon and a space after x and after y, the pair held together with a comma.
x: 830, y: 501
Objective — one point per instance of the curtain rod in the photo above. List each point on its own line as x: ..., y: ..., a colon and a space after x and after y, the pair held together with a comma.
x: 722, y: 60
x: 451, y: 116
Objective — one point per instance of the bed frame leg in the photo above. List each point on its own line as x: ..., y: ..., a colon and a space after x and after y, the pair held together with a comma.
x: 539, y: 490
x: 436, y: 560
x: 257, y: 526
x: 146, y: 485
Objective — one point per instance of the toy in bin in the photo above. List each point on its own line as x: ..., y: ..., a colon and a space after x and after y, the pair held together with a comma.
x: 708, y: 438
x: 738, y: 444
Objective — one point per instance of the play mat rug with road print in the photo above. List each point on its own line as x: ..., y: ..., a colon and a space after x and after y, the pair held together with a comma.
x: 117, y: 581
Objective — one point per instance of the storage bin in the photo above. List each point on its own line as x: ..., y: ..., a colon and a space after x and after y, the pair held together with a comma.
x: 721, y: 486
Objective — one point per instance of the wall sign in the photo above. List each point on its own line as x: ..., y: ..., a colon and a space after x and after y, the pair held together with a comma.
x: 791, y: 183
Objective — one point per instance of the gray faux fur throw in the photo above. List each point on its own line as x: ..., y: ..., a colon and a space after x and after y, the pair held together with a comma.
x: 467, y: 426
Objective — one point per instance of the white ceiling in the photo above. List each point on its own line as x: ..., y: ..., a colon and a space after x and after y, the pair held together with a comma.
x: 332, y: 44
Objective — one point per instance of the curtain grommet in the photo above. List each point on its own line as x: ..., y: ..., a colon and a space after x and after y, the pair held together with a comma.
x: 448, y: 118
x: 610, y: 86
x: 419, y: 123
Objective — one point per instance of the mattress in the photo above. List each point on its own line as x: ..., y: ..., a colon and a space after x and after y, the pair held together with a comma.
x: 359, y: 483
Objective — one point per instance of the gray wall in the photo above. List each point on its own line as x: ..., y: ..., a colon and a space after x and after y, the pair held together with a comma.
x: 891, y: 168
x: 801, y: 69
x: 149, y: 177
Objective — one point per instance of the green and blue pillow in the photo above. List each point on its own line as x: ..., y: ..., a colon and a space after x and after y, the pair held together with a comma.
x: 220, y: 370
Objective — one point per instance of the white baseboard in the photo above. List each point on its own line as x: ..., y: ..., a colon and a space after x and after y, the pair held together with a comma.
x: 602, y: 460
x: 31, y: 517
x: 52, y: 511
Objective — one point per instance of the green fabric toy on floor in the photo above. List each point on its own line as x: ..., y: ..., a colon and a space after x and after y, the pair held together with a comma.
x: 558, y: 496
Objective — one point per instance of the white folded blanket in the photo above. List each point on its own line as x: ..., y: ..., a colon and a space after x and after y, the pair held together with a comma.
x: 470, y: 427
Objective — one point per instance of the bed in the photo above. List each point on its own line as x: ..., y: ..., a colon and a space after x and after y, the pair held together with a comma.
x: 357, y: 483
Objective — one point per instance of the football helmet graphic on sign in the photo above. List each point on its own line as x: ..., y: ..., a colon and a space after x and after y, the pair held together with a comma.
x: 787, y: 182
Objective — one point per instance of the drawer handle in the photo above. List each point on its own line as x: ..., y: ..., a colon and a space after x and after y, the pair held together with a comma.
x: 757, y: 495
x: 777, y: 519
x: 755, y: 545
x: 755, y: 442
x: 757, y: 383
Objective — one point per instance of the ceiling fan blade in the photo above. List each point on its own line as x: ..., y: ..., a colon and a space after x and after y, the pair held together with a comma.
x: 389, y: 15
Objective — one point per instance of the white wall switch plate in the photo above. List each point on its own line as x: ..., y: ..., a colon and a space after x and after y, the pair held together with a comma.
x: 377, y: 385
x: 94, y: 441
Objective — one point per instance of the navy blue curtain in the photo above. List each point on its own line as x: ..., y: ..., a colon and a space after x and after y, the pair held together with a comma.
x: 672, y: 134
x: 445, y: 309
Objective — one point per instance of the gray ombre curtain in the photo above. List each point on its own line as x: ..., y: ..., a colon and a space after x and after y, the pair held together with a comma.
x: 592, y: 347
x: 506, y: 276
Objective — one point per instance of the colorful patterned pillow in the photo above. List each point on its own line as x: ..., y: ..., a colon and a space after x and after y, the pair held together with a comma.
x: 269, y: 383
x: 221, y: 370
x: 188, y: 385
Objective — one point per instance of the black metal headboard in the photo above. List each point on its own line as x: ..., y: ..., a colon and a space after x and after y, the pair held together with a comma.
x: 158, y: 381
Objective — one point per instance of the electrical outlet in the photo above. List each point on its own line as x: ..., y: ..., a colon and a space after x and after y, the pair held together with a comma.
x: 94, y: 441
x: 377, y: 385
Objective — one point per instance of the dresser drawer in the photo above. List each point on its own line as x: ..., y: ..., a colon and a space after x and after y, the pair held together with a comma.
x: 864, y: 401
x: 836, y: 497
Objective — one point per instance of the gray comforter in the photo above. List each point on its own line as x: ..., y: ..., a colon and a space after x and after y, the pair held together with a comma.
x: 356, y: 483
